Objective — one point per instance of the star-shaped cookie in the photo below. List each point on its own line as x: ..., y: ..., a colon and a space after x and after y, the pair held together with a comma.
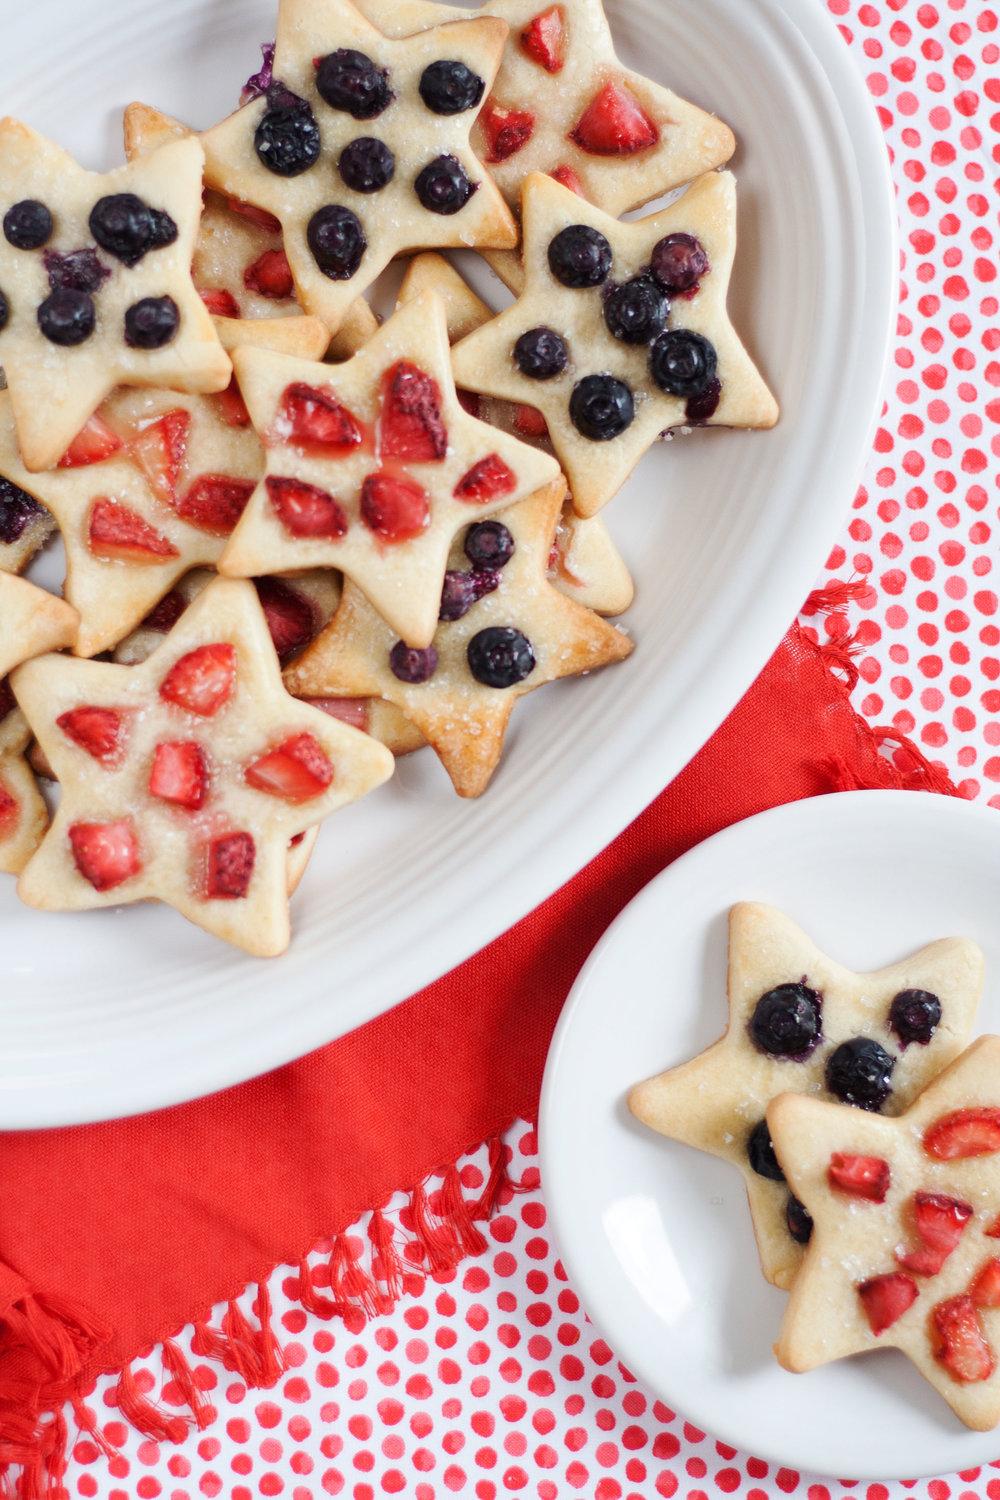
x: 95, y: 285
x: 800, y: 1022
x: 621, y: 331
x: 185, y: 778
x: 360, y: 146
x: 905, y: 1248
x: 373, y: 466
x: 504, y: 631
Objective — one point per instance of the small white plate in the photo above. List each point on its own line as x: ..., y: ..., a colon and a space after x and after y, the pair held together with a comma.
x: 656, y: 1236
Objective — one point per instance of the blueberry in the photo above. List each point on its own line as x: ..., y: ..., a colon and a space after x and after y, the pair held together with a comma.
x: 859, y: 1072
x: 127, y: 228
x: 601, y: 407
x: 682, y: 362
x: 151, y: 322
x: 17, y: 509
x: 636, y: 311
x: 366, y: 165
x: 337, y: 241
x: 67, y: 317
x: 580, y: 256
x: 462, y: 590
x: 350, y: 81
x: 700, y: 408
x: 760, y: 1153
x: 541, y: 354
x: 786, y: 1021
x: 799, y: 1221
x: 80, y: 269
x: 412, y: 665
x: 449, y: 88
x: 489, y: 544
x: 28, y: 224
x: 4, y: 312
x: 287, y: 139
x: 443, y: 187
x: 500, y: 656
x: 678, y: 262
x: 914, y: 1015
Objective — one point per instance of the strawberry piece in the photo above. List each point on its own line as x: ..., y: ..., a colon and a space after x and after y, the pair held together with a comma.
x: 220, y: 303
x: 289, y: 614
x: 202, y: 680
x: 506, y: 130
x: 114, y: 531
x: 9, y: 810
x: 395, y: 509
x: 485, y: 480
x: 304, y: 509
x: 7, y: 700
x: 966, y: 1132
x: 544, y: 39
x: 859, y: 1176
x: 295, y: 770
x: 258, y: 216
x: 164, y: 616
x: 353, y: 711
x: 886, y: 1298
x: 469, y: 401
x: 180, y: 773
x: 993, y: 1229
x: 159, y: 451
x: 106, y: 854
x: 614, y: 124
x: 963, y: 1350
x: 94, y: 442
x: 270, y: 276
x: 940, y: 1223
x: 233, y: 409
x: 529, y: 422
x: 229, y: 865
x: 311, y: 416
x: 99, y: 731
x: 569, y: 179
x: 985, y: 1287
x: 411, y: 427
x: 215, y: 502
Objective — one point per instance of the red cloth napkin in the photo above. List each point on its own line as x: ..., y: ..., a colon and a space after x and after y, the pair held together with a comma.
x: 114, y: 1236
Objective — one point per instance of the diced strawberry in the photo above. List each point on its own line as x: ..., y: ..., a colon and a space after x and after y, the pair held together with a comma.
x: 544, y: 39
x: 233, y: 408
x: 106, y: 854
x: 506, y: 130
x: 159, y: 451
x: 312, y: 416
x: 99, y: 731
x: 985, y: 1287
x: 411, y: 426
x: 164, y: 616
x: 258, y: 216
x: 202, y: 680
x: 614, y: 124
x: 115, y: 531
x: 270, y: 276
x: 940, y: 1222
x: 229, y: 866
x: 295, y: 770
x: 289, y: 614
x: 859, y: 1176
x: 469, y: 401
x: 963, y: 1350
x: 529, y: 421
x: 886, y: 1298
x: 180, y: 773
x: 353, y: 711
x: 9, y: 810
x: 93, y: 443
x: 569, y: 179
x: 215, y: 502
x: 993, y: 1229
x: 395, y: 509
x: 966, y: 1132
x: 485, y: 480
x: 7, y: 700
x: 305, y: 510
x: 220, y: 303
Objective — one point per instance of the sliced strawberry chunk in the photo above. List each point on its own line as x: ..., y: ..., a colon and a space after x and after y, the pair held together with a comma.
x: 99, y: 731
x: 963, y: 1350
x: 614, y: 124
x: 569, y: 179
x: 859, y: 1176
x: 295, y: 770
x: 159, y: 451
x: 411, y: 426
x: 7, y: 700
x: 94, y: 442
x: 313, y: 416
x: 304, y: 509
x: 529, y: 421
x: 940, y: 1222
x: 180, y: 773
x: 352, y: 711
x: 966, y: 1132
x: 485, y: 480
x: 258, y: 216
x: 506, y: 130
x: 985, y: 1287
x: 115, y: 531
x: 202, y: 680
x: 394, y: 508
x: 220, y: 303
x: 270, y: 276
x: 886, y: 1298
x: 993, y: 1229
x: 8, y: 810
x: 164, y: 616
x: 469, y: 401
x: 289, y: 614
x: 229, y: 866
x: 233, y: 408
x: 215, y: 502
x: 544, y: 39
x: 106, y: 854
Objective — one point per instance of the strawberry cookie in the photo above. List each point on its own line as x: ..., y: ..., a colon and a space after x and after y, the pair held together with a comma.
x: 186, y: 777
x: 95, y: 285
x: 800, y: 1022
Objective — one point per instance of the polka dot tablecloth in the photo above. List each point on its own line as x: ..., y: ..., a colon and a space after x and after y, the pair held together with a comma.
x: 487, y: 1380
